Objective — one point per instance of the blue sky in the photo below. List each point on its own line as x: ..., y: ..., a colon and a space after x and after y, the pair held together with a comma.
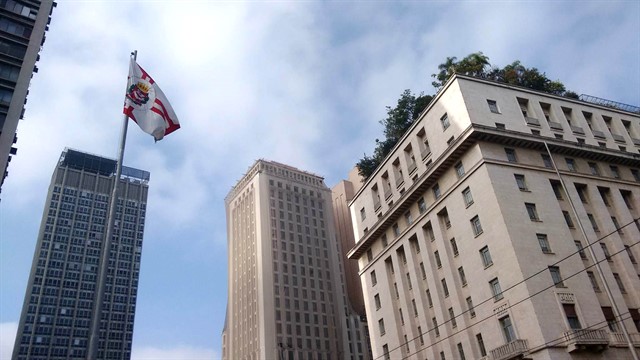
x: 303, y: 83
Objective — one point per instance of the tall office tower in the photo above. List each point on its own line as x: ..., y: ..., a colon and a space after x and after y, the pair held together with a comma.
x: 22, y: 27
x: 285, y: 295
x: 342, y: 194
x: 60, y: 298
x: 467, y: 241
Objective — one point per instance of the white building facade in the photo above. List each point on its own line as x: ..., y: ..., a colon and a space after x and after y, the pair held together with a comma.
x: 287, y: 297
x: 468, y: 245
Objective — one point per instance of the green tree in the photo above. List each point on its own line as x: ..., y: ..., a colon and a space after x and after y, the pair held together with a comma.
x: 398, y: 120
x: 409, y: 107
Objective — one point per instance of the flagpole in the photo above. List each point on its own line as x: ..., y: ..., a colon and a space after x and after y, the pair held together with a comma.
x: 94, y: 334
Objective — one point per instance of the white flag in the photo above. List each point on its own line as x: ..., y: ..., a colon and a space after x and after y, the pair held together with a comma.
x: 146, y: 104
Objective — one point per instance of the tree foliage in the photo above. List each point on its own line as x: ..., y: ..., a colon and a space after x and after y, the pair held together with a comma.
x: 398, y: 120
x: 409, y: 106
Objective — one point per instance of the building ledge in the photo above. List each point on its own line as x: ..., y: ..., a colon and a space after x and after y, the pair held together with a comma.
x: 586, y: 340
x: 516, y: 349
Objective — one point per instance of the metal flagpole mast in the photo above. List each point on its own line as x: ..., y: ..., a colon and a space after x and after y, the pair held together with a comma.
x: 94, y: 334
x: 607, y: 289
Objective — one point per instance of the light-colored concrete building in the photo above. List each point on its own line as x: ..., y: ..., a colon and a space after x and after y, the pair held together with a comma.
x: 467, y: 243
x: 287, y: 297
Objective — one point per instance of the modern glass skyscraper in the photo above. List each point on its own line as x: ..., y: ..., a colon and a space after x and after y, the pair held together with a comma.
x: 60, y: 297
x: 22, y: 27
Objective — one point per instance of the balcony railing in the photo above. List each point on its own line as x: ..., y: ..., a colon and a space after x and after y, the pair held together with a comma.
x: 617, y: 339
x: 532, y: 121
x: 376, y: 204
x: 387, y: 194
x: 577, y: 130
x: 636, y: 142
x: 555, y: 125
x: 510, y: 350
x: 618, y: 138
x: 584, y: 338
x: 399, y: 181
x: 599, y: 134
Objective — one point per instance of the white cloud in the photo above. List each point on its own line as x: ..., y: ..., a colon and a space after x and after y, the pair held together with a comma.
x: 175, y: 353
x: 7, y: 338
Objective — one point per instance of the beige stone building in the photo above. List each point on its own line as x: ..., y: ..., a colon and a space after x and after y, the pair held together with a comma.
x: 287, y: 296
x: 467, y: 243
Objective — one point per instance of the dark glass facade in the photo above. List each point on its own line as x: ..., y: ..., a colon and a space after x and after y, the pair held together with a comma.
x: 59, y: 302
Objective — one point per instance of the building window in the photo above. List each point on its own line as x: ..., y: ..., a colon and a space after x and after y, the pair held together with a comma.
x: 445, y: 289
x: 423, y: 271
x: 396, y: 230
x: 374, y: 278
x: 486, y: 256
x: 572, y: 316
x: 594, y: 224
x: 428, y: 229
x: 408, y: 218
x: 531, y: 210
x: 468, y: 198
x: 476, y: 226
x: 636, y: 174
x: 607, y: 311
x: 583, y: 255
x: 507, y: 329
x: 422, y: 206
x: 605, y: 250
x: 557, y: 188
x: 582, y: 193
x: 381, y: 327
x: 615, y: 172
x: 363, y: 214
x: 567, y: 219
x: 614, y: 220
x: 605, y: 195
x: 472, y: 311
x: 385, y: 351
x: 369, y: 255
x: 556, y: 276
x: 495, y: 289
x: 442, y: 357
x: 461, y: 352
x: 401, y: 316
x: 483, y: 350
x: 593, y: 167
x: 546, y: 159
x: 429, y: 300
x: 409, y: 281
x: 543, y: 241
x: 627, y: 196
x: 444, y: 120
x: 454, y: 246
x: 452, y: 318
x: 511, y: 155
x: 415, y: 307
x: 520, y: 181
x: 395, y: 288
x: 459, y: 170
x: 493, y: 106
x: 630, y: 253
x: 376, y: 299
x: 384, y: 241
x: 463, y: 278
x: 571, y: 164
x: 436, y: 191
x: 435, y: 326
x: 620, y: 283
x: 420, y: 335
x: 436, y: 255
x: 594, y: 282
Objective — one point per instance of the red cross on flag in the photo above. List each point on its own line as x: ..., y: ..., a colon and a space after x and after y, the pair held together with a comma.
x: 146, y: 104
